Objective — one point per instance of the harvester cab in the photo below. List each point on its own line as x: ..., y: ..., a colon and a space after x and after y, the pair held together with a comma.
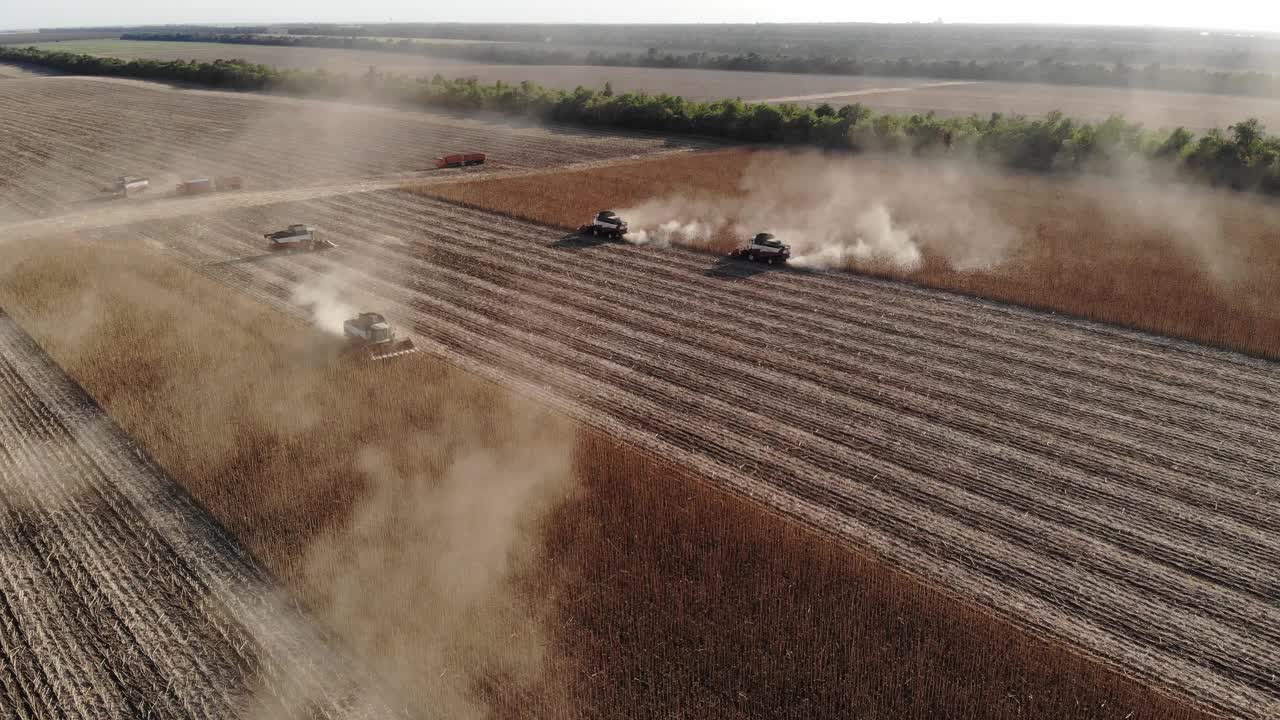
x: 764, y: 247
x: 371, y: 337
x: 607, y: 224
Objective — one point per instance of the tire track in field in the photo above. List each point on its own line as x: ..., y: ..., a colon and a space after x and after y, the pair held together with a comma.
x: 1156, y: 551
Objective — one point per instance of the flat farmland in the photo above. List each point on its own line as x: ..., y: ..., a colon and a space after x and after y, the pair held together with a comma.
x: 1153, y: 108
x: 693, y: 84
x: 1109, y: 489
x: 899, y: 95
x: 119, y: 596
x: 66, y: 137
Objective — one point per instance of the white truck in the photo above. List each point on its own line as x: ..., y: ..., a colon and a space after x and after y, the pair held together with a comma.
x: 764, y: 247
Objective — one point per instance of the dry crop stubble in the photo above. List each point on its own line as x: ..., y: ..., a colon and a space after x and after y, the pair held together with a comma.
x: 605, y: 576
x: 320, y: 468
x: 1172, y: 260
x: 1011, y: 398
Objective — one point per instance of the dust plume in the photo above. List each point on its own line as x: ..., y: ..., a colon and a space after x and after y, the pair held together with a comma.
x: 875, y: 239
x: 679, y: 219
x: 1191, y: 218
x: 402, y: 504
x: 421, y: 581
x: 328, y: 301
x: 833, y: 216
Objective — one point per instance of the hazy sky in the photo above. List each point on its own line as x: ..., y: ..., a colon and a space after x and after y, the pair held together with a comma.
x: 15, y: 14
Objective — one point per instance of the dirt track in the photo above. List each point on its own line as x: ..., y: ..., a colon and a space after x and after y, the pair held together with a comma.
x: 66, y: 137
x: 118, y: 596
x: 1112, y: 489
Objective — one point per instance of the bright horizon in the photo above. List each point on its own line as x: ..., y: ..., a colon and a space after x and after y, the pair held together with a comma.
x: 73, y: 13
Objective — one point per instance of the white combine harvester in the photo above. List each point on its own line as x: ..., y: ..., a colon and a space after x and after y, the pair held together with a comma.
x: 606, y: 224
x: 765, y: 248
x: 127, y: 185
x: 296, y: 237
x: 371, y: 337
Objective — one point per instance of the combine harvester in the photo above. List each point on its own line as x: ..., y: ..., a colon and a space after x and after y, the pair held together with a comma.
x: 764, y: 248
x: 606, y: 224
x: 459, y: 160
x: 296, y: 237
x: 126, y: 186
x: 200, y: 186
x: 370, y: 337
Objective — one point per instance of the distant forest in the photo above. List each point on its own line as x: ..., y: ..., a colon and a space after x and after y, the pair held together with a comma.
x: 1045, y: 70
x: 1231, y: 52
x: 1245, y: 157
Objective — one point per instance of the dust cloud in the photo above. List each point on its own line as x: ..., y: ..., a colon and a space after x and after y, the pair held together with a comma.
x: 1192, y: 219
x: 420, y: 582
x: 420, y: 491
x: 327, y: 299
x: 834, y: 214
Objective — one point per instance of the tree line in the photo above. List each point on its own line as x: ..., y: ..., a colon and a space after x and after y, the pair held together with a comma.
x: 929, y: 41
x: 1244, y: 157
x: 1152, y: 76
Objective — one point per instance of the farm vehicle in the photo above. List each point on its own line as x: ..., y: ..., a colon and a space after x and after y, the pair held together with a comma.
x: 126, y: 186
x: 606, y: 224
x: 459, y: 160
x: 764, y: 247
x: 199, y: 186
x: 296, y: 237
x: 370, y: 337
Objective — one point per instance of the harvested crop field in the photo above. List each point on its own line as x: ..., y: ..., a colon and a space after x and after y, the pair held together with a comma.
x: 638, y: 584
x: 1153, y: 108
x: 1178, y: 261
x: 1110, y: 489
x: 119, y: 596
x: 67, y: 137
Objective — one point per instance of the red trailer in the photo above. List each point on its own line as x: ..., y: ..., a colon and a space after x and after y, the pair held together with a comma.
x: 459, y: 160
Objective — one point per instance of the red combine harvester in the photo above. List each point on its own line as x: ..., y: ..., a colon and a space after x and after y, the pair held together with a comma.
x: 459, y: 160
